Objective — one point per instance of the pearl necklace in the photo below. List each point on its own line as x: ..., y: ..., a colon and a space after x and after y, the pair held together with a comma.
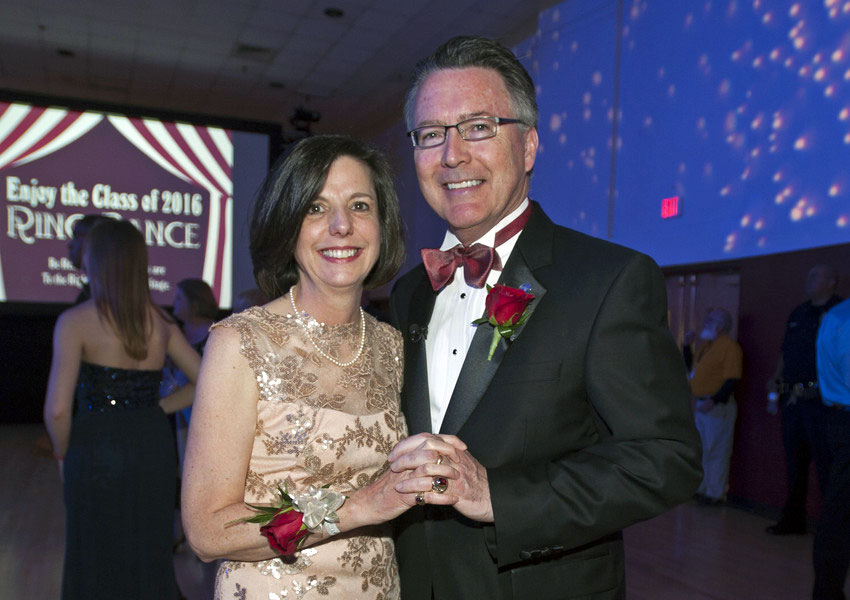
x: 306, y: 328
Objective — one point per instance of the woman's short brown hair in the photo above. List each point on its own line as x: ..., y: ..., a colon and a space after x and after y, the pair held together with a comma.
x: 293, y: 184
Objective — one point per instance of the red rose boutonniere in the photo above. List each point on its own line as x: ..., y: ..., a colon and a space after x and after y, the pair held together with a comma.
x: 506, y: 308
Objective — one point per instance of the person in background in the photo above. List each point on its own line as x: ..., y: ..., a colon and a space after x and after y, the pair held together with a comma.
x: 794, y: 388
x: 831, y: 549
x: 576, y: 422
x: 248, y: 298
x: 116, y: 454
x: 75, y: 247
x: 302, y: 394
x: 195, y: 309
x: 717, y: 370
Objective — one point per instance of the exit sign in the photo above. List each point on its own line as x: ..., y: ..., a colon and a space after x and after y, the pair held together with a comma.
x: 670, y: 207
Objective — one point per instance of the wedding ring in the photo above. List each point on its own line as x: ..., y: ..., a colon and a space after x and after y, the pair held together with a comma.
x: 420, y: 498
x: 439, y: 484
x: 439, y: 459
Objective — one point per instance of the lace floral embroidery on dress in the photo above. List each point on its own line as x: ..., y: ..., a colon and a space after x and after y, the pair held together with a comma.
x: 333, y: 426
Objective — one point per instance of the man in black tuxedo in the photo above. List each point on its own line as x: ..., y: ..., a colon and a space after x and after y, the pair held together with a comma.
x: 580, y: 424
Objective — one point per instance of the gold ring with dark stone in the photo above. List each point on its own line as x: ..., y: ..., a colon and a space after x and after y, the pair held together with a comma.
x: 420, y: 498
x: 439, y: 484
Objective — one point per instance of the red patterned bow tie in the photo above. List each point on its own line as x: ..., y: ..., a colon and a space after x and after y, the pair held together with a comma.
x: 477, y: 260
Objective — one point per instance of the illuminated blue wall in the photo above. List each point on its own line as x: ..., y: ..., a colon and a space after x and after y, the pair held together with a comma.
x: 740, y: 108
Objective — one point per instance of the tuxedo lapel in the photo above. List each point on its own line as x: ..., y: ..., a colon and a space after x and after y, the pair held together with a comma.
x: 533, y: 250
x: 417, y: 396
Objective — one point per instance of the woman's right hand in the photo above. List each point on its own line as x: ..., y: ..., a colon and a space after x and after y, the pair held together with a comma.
x: 413, y: 459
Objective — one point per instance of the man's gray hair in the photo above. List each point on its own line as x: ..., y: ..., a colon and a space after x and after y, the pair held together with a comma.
x: 465, y: 52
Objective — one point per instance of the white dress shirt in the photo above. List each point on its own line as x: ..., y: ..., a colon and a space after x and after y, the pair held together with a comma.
x: 450, y: 330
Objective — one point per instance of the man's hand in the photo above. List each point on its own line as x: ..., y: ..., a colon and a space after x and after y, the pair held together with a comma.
x: 468, y: 487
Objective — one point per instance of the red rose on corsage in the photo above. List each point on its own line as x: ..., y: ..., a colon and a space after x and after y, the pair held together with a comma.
x: 287, y: 523
x: 285, y: 531
x: 506, y: 308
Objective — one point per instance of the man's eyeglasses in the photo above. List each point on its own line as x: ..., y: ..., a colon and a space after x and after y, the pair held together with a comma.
x: 471, y: 130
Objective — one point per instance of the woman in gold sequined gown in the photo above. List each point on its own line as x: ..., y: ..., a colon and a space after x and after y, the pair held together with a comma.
x: 304, y: 391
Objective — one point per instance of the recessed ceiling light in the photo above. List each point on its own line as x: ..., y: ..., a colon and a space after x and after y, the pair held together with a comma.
x: 65, y: 52
x: 333, y: 12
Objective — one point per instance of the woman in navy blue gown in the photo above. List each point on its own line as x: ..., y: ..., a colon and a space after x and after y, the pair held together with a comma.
x: 109, y: 427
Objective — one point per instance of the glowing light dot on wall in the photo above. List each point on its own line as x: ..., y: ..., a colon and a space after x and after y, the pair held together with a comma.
x: 838, y: 55
x: 746, y: 174
x: 586, y: 98
x: 846, y: 8
x: 757, y: 122
x: 762, y: 242
x: 555, y: 122
x: 562, y: 139
x: 801, y: 143
x: 820, y: 74
x: 811, y: 211
x: 789, y: 62
x: 778, y: 176
x: 759, y: 225
x: 800, y: 42
x: 767, y: 18
x: 834, y: 190
x: 774, y: 54
x: 842, y: 221
x: 755, y: 152
x: 745, y: 221
x: 647, y: 121
x: 847, y: 139
x: 758, y: 61
x: 829, y: 91
x: 796, y: 213
x: 597, y: 78
x: 586, y: 114
x: 794, y: 10
x: 844, y: 113
x: 805, y: 70
x: 671, y: 90
x: 724, y: 191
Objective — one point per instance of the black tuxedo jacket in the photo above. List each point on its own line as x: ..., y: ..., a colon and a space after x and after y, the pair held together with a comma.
x: 582, y: 421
